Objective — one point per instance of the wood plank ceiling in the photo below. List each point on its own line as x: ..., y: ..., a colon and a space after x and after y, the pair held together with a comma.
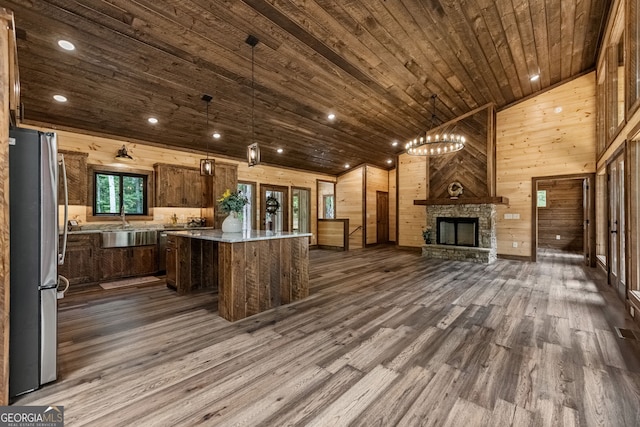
x: 375, y: 64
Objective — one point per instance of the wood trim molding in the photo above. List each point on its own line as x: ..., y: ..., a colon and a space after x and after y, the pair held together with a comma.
x: 500, y: 200
x: 6, y: 22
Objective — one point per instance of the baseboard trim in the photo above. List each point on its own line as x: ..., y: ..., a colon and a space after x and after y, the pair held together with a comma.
x: 515, y: 257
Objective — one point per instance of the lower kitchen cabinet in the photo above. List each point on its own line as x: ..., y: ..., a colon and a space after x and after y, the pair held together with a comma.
x: 80, y: 260
x: 172, y: 261
x: 125, y: 262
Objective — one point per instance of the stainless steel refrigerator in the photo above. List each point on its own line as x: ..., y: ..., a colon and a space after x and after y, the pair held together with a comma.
x: 33, y: 216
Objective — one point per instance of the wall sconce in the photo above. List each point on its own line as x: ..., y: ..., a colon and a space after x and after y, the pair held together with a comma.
x: 253, y: 154
x: 123, y: 155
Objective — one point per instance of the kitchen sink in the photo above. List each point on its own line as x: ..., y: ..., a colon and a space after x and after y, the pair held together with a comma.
x: 127, y: 238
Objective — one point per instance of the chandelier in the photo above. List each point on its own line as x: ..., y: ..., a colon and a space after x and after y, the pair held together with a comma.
x: 434, y: 144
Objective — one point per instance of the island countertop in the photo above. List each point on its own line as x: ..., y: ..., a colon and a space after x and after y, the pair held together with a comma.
x: 245, y: 236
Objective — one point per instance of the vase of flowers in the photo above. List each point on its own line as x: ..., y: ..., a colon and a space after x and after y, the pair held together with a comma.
x: 232, y: 203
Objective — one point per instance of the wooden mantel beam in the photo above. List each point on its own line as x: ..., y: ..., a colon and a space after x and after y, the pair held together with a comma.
x: 464, y: 201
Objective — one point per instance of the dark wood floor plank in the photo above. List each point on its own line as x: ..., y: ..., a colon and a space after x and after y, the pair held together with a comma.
x: 386, y: 337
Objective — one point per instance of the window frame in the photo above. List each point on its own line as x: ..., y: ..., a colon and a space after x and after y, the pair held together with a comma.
x: 93, y: 170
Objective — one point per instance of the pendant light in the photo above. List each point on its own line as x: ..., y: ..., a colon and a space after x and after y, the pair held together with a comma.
x: 253, y: 150
x: 207, y: 165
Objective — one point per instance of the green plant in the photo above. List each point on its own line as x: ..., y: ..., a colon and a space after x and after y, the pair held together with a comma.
x: 426, y: 235
x: 232, y: 201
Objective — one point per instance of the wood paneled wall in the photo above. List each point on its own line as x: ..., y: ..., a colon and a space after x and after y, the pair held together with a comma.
x: 552, y: 134
x: 6, y: 20
x: 393, y: 203
x: 563, y: 215
x: 376, y: 180
x: 412, y: 185
x: 102, y: 151
x: 350, y: 204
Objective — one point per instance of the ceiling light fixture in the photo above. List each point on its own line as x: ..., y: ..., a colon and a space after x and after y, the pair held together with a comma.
x: 216, y: 135
x: 253, y: 150
x: 534, y: 77
x: 280, y: 150
x: 435, y: 145
x: 389, y: 161
x: 207, y: 165
x: 66, y: 45
x: 152, y: 120
x: 331, y: 116
x: 394, y: 144
x: 347, y: 166
x: 60, y: 98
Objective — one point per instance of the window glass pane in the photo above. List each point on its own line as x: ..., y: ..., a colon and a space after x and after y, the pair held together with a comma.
x: 107, y: 194
x: 133, y: 194
x: 246, y: 214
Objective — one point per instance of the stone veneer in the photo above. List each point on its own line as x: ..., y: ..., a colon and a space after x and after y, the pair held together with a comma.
x: 487, y: 250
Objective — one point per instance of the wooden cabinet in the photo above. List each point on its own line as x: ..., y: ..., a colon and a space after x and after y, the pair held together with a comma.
x: 145, y: 260
x: 76, y: 166
x: 225, y: 178
x: 125, y: 262
x: 80, y: 261
x: 172, y: 261
x: 179, y: 186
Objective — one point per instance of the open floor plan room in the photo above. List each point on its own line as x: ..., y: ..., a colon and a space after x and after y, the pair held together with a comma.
x: 386, y: 337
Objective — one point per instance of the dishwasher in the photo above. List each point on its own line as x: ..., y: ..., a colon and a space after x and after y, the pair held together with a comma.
x: 162, y: 251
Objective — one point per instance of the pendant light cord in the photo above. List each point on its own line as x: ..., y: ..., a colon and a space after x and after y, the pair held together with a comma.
x: 207, y: 130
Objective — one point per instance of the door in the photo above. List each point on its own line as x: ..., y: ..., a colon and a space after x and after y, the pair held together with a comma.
x: 278, y: 220
x: 301, y: 210
x: 617, y: 226
x: 382, y: 217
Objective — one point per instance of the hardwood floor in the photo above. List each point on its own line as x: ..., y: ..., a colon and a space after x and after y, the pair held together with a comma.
x: 386, y: 338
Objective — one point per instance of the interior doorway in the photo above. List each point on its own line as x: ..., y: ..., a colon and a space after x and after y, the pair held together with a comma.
x: 617, y: 226
x: 279, y: 219
x: 382, y: 217
x: 300, y: 210
x: 563, y: 217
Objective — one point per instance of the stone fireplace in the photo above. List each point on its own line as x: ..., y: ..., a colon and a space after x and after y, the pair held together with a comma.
x: 463, y: 232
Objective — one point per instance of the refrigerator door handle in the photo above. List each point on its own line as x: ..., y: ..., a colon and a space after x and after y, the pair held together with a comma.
x: 65, y: 229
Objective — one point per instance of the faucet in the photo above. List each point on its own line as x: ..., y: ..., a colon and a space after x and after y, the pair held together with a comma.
x: 123, y: 217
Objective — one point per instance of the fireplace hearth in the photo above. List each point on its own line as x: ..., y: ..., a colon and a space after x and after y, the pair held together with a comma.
x: 465, y: 232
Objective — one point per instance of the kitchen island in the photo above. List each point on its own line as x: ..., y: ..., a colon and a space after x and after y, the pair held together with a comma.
x: 252, y: 271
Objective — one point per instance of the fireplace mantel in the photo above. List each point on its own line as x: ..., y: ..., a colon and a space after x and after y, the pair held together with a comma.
x: 464, y: 201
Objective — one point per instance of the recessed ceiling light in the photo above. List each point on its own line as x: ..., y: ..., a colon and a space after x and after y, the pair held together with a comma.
x: 534, y: 77
x: 389, y: 161
x: 66, y: 45
x: 347, y: 166
x: 216, y: 135
x: 152, y: 120
x: 280, y: 150
x: 60, y: 98
x: 557, y: 110
x: 331, y: 116
x: 394, y: 144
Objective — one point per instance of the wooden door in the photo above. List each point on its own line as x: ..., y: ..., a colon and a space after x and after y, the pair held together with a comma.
x: 280, y: 220
x: 382, y: 217
x: 617, y: 261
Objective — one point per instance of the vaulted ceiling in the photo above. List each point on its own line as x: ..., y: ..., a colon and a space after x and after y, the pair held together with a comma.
x: 375, y: 64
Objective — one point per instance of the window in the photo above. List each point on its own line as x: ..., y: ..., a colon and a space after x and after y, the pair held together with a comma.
x: 114, y: 189
x: 248, y: 190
